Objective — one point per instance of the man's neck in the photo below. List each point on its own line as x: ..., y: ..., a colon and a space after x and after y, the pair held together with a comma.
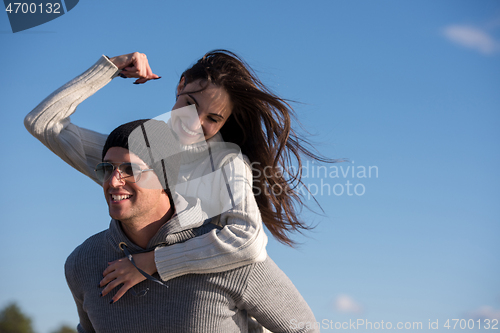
x: 140, y: 233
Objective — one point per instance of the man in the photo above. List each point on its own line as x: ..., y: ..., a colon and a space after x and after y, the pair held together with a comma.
x: 140, y: 204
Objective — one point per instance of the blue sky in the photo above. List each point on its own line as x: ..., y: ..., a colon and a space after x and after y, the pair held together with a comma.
x: 408, y: 88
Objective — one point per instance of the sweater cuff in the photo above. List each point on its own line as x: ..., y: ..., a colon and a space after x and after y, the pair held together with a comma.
x: 107, y: 65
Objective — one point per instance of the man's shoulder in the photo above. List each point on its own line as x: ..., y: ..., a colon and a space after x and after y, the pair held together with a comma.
x: 87, y: 249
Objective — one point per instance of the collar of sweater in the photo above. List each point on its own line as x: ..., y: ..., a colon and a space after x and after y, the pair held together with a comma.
x: 200, y: 150
x: 180, y: 226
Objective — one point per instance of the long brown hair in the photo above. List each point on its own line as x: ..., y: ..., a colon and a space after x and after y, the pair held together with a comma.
x: 260, y: 124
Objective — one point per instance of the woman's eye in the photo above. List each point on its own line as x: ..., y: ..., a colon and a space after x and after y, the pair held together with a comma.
x: 212, y: 119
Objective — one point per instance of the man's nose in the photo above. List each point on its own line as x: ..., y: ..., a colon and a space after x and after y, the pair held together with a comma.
x: 116, y: 178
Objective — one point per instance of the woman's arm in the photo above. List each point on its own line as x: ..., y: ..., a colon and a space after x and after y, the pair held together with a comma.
x: 50, y: 122
x: 240, y: 242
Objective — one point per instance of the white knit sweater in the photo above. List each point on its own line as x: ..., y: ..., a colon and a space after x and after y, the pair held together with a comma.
x: 241, y: 241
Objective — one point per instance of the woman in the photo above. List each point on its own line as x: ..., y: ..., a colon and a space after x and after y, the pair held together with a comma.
x: 232, y: 106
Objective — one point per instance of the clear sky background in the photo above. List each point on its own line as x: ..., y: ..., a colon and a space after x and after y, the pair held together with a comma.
x: 410, y: 88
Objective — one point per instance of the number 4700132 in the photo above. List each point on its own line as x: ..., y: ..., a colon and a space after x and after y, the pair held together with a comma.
x: 487, y: 324
x: 33, y: 8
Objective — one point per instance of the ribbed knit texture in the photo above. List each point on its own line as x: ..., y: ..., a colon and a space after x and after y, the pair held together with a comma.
x: 216, y: 302
x: 240, y: 242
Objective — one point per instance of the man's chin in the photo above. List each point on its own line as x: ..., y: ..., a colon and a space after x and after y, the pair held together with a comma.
x: 116, y: 215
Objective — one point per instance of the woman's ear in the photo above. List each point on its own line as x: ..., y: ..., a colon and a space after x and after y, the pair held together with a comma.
x: 180, y: 87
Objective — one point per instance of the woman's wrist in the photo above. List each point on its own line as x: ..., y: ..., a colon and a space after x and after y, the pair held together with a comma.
x: 146, y: 262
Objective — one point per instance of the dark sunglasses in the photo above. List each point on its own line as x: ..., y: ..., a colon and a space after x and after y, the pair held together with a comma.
x: 129, y: 172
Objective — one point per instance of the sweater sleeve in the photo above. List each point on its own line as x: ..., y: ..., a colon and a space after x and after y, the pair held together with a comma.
x: 50, y: 122
x: 240, y: 242
x: 272, y: 299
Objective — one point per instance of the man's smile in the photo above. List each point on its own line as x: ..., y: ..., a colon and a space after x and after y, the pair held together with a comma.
x: 120, y: 197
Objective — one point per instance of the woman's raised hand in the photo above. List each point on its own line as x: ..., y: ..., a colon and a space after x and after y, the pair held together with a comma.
x: 134, y: 65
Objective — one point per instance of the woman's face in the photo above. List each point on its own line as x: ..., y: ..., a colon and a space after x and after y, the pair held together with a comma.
x: 213, y: 108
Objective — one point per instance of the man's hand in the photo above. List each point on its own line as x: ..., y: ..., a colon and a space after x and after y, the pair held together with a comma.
x: 122, y: 271
x: 134, y: 65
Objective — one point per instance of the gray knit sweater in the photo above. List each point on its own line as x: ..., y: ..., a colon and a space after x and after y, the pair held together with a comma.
x: 216, y: 302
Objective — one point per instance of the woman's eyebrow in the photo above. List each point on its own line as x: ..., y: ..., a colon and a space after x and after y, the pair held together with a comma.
x: 194, y: 99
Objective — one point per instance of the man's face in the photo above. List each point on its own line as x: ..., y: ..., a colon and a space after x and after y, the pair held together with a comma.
x: 133, y: 204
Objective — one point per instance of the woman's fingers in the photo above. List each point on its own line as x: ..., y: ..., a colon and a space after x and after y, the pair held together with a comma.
x: 121, y: 292
x: 111, y: 273
x: 140, y: 81
x: 110, y: 286
x: 124, y: 60
x: 111, y: 267
x: 135, y: 65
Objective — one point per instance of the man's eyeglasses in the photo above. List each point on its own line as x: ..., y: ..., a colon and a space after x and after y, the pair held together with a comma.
x: 129, y: 172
